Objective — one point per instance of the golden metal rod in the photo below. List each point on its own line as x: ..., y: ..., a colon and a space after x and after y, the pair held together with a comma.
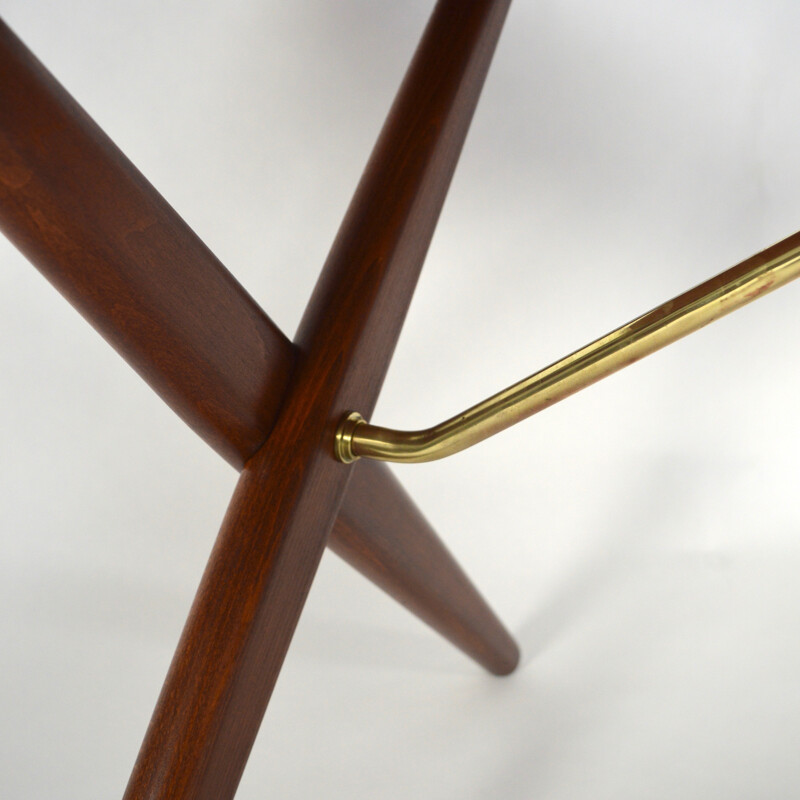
x: 718, y: 296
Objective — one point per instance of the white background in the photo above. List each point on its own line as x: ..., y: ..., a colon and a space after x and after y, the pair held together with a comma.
x: 642, y: 539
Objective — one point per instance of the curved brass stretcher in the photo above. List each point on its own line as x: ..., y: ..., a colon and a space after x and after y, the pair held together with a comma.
x: 737, y: 286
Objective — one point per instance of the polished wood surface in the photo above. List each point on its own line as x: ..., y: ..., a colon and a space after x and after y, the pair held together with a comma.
x: 289, y: 494
x: 141, y: 276
x: 387, y: 539
x: 94, y: 226
x: 107, y: 240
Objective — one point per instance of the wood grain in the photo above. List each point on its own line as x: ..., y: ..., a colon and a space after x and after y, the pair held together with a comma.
x: 34, y: 192
x: 388, y: 540
x: 290, y: 492
x: 107, y: 240
x: 86, y: 258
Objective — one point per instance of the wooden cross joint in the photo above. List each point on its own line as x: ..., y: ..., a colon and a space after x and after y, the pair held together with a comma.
x: 94, y: 226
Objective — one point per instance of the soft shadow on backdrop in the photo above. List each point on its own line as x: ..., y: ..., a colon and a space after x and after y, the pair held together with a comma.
x: 642, y: 539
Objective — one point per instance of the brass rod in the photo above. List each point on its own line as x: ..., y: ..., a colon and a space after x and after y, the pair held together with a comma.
x: 644, y: 335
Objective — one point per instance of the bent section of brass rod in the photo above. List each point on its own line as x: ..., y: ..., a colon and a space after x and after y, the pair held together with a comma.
x: 665, y: 324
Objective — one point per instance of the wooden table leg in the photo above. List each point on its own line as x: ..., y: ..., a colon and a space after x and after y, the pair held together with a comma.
x: 107, y: 240
x: 96, y: 228
x: 85, y: 216
x: 290, y: 492
x: 386, y: 538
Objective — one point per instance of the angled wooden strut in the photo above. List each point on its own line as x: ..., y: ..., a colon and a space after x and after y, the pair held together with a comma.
x: 83, y: 214
x: 99, y: 231
x: 286, y: 501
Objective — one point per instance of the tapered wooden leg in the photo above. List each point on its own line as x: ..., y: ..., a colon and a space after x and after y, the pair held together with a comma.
x: 242, y: 620
x: 291, y: 491
x: 107, y: 240
x: 185, y: 324
x: 385, y: 537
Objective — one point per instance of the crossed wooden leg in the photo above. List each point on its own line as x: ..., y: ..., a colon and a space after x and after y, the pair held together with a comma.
x: 94, y: 226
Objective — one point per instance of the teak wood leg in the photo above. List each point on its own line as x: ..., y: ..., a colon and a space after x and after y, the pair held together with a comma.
x: 386, y: 538
x: 103, y: 235
x: 242, y: 619
x: 110, y: 243
x: 291, y: 490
